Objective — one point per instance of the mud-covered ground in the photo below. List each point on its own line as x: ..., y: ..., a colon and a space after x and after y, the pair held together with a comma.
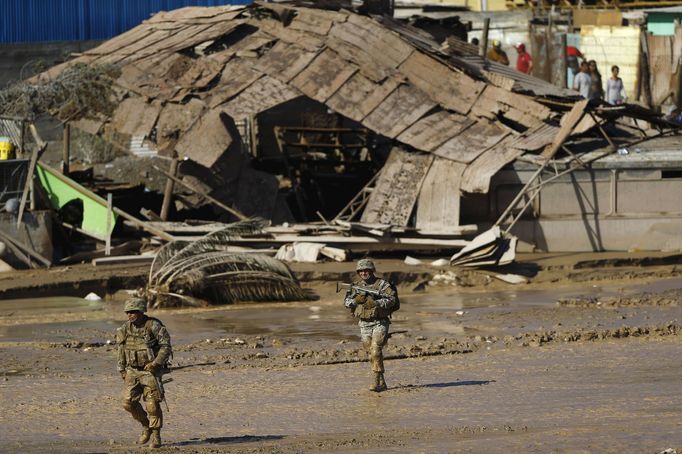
x: 584, y: 358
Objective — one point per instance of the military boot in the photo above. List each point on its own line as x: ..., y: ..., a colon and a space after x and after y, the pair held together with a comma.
x: 156, y: 439
x: 144, y: 438
x: 377, y: 382
x: 382, y: 383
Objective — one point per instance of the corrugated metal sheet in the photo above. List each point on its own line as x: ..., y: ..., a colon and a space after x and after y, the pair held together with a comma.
x: 74, y: 20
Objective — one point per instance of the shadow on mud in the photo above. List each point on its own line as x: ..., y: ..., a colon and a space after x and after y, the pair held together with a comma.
x: 225, y: 440
x: 447, y: 384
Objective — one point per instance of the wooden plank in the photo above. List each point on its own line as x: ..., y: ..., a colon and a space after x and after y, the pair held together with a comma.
x: 495, y: 101
x: 323, y: 76
x: 265, y: 93
x: 275, y: 28
x: 471, y: 142
x: 191, y: 13
x: 132, y: 48
x: 133, y: 260
x: 237, y: 75
x: 180, y: 38
x: 568, y: 123
x: 315, y: 21
x: 207, y: 140
x: 368, y: 67
x: 432, y: 131
x: 393, y: 198
x: 403, y: 107
x: 175, y: 119
x: 369, y: 44
x: 453, y: 90
x: 117, y: 43
x: 438, y: 202
x: 476, y: 177
x: 284, y: 61
x: 350, y: 242
x: 359, y: 96
x: 135, y: 116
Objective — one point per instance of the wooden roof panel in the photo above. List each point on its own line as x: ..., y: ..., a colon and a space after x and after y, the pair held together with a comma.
x: 403, y: 107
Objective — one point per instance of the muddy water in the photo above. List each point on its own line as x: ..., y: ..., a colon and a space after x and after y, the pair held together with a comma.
x: 431, y: 314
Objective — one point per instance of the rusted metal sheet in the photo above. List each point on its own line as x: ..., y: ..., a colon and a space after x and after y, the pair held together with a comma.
x: 471, y: 142
x: 135, y: 116
x: 235, y: 78
x: 477, y: 175
x: 325, y: 74
x: 396, y: 113
x: 451, y: 89
x: 664, y: 63
x: 397, y: 188
x: 438, y: 202
x: 206, y: 140
x: 265, y: 93
x: 432, y: 131
x: 284, y: 61
x: 359, y: 96
x: 371, y: 43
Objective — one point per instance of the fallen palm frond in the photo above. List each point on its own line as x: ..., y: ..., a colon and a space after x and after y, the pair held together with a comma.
x: 173, y: 253
x: 203, y: 271
x: 80, y: 91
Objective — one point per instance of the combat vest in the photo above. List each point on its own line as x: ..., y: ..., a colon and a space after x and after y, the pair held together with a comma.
x: 369, y: 311
x: 140, y: 345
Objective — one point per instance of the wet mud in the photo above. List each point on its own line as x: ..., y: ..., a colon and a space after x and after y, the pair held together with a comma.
x: 477, y: 368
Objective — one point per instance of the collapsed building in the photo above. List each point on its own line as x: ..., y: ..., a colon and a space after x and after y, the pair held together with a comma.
x: 298, y: 114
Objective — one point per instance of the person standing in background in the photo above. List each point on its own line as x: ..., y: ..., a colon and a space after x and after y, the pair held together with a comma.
x: 596, y: 87
x: 497, y: 54
x: 524, y: 62
x: 582, y: 82
x: 615, y: 91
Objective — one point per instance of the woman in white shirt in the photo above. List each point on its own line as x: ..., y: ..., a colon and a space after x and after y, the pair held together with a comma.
x: 615, y: 91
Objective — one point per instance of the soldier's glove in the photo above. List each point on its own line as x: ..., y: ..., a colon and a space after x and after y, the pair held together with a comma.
x: 123, y: 374
x: 151, y: 367
x: 360, y: 299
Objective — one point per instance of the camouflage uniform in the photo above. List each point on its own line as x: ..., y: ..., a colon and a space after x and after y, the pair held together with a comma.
x: 374, y: 319
x: 146, y: 343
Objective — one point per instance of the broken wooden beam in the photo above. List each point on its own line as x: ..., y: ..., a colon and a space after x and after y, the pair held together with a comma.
x: 217, y: 202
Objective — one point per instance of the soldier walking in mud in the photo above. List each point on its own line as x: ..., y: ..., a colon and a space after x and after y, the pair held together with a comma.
x: 144, y: 348
x: 372, y: 300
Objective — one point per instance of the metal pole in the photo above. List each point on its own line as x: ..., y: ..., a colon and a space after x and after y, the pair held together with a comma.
x: 484, y: 37
x: 168, y: 192
x: 110, y: 216
x: 563, y: 79
x: 66, y: 149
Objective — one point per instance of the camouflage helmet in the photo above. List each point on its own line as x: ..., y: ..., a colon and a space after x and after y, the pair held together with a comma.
x: 365, y: 264
x: 135, y: 304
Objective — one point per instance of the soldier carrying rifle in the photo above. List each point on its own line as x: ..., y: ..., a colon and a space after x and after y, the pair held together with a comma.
x: 144, y: 348
x: 372, y: 300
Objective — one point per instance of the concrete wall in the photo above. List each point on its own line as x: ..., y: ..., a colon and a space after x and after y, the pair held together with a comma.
x: 605, y: 209
x: 610, y: 46
x: 16, y: 60
x: 662, y: 23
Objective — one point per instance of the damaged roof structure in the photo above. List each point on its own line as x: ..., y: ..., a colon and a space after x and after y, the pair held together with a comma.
x: 188, y: 76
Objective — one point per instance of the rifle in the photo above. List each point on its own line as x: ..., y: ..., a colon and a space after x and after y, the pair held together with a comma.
x: 361, y: 290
